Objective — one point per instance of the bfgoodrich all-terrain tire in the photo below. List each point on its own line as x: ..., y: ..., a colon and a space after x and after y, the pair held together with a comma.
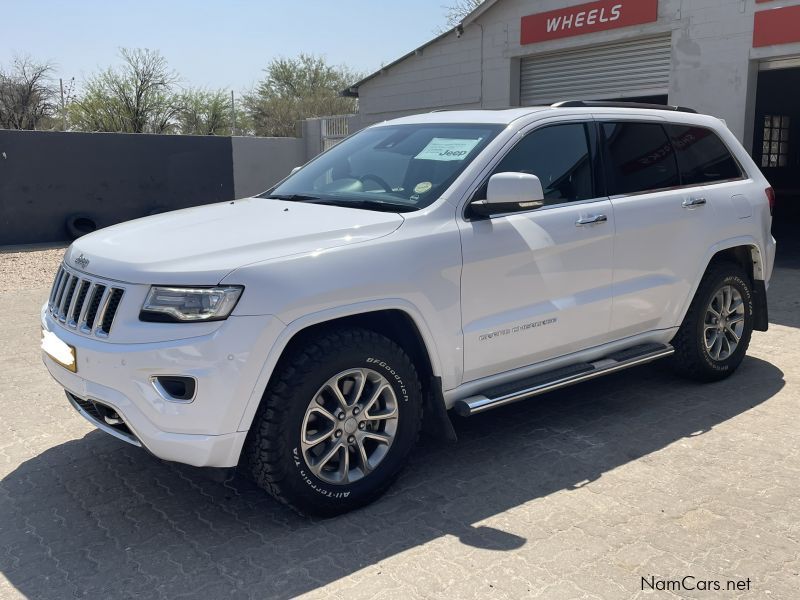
x: 337, y: 422
x: 715, y: 334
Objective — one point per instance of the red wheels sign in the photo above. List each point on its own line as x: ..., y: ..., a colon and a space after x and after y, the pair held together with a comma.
x: 587, y: 18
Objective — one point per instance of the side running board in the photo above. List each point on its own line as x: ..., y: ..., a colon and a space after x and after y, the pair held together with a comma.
x: 553, y: 380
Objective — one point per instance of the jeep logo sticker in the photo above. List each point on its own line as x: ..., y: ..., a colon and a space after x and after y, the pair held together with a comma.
x: 446, y: 149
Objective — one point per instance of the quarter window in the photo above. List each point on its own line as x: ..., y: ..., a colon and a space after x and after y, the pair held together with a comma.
x: 702, y: 157
x: 559, y: 156
x: 641, y: 158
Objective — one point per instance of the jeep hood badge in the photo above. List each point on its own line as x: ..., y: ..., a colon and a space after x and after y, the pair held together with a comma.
x: 81, y: 261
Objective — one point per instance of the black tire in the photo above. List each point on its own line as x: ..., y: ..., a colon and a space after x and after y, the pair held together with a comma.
x: 79, y: 225
x: 273, y: 450
x: 692, y: 359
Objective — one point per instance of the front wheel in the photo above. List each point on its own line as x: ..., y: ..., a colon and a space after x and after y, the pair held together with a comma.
x: 337, y: 422
x: 715, y: 334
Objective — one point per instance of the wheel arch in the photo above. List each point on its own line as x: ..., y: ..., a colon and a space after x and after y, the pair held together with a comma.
x: 399, y: 322
x: 745, y: 252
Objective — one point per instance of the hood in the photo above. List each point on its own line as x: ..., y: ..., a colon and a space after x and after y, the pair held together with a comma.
x: 199, y: 246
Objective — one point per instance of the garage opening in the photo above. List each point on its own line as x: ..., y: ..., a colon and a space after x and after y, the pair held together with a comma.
x: 776, y: 140
x: 631, y: 70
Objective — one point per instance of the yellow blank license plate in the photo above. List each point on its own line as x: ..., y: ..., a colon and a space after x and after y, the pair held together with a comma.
x: 59, y: 351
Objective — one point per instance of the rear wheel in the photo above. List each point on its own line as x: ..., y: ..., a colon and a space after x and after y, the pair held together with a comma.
x: 337, y: 422
x: 715, y: 334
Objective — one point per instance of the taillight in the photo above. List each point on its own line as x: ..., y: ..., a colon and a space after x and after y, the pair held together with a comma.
x: 770, y: 198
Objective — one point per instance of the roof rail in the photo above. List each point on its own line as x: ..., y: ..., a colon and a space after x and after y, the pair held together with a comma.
x: 604, y: 104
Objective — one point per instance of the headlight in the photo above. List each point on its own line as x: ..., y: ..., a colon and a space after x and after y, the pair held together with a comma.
x: 173, y: 304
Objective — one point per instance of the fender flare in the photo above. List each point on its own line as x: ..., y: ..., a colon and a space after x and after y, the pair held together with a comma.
x: 323, y: 316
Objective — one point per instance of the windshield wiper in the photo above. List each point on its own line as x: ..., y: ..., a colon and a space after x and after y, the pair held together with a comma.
x: 367, y: 204
x: 292, y: 197
x: 344, y: 202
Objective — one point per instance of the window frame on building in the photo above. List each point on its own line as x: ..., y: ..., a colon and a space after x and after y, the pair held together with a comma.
x: 783, y: 141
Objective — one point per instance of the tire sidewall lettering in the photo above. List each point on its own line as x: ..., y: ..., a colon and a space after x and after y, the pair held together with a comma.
x: 300, y: 466
x: 377, y: 362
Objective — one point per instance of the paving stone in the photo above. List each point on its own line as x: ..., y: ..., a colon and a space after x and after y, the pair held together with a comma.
x: 578, y: 494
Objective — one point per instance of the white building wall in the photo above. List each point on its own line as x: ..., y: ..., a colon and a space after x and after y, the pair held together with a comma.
x: 711, y: 70
x: 714, y: 67
x: 445, y: 74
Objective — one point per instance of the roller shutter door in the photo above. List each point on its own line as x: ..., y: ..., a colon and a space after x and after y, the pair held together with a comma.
x: 619, y: 70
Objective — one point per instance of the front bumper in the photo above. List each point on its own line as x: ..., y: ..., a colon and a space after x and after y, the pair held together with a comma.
x: 204, y: 432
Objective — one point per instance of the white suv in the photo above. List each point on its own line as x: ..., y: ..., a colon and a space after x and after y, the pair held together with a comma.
x: 449, y: 261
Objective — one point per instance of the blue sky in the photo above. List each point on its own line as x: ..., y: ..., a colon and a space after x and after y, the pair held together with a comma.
x: 221, y: 43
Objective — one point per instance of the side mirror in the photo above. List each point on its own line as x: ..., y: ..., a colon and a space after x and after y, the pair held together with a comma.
x: 510, y: 192
x: 295, y: 170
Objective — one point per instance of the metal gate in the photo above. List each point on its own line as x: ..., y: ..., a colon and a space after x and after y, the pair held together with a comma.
x: 619, y: 70
x: 334, y: 130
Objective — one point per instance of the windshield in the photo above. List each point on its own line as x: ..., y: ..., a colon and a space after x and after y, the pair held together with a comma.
x: 397, y: 168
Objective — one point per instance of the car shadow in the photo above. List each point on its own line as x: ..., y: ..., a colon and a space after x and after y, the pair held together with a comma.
x: 94, y: 517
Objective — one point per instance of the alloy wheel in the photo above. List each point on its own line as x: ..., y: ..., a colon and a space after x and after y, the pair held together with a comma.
x: 349, y: 426
x: 723, y: 325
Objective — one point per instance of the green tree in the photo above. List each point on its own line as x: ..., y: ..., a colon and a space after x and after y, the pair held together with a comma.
x: 205, y: 112
x: 295, y: 89
x: 140, y: 96
x: 28, y: 96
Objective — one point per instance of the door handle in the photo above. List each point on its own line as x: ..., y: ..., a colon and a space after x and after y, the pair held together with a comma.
x: 591, y: 220
x: 690, y: 202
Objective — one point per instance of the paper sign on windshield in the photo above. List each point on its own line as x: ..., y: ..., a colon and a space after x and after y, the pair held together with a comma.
x: 447, y: 149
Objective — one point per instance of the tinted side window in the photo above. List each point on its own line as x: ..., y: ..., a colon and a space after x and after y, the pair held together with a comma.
x: 702, y: 157
x: 641, y: 158
x: 559, y: 156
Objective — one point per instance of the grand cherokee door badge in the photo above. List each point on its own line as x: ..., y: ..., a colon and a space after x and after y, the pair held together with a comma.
x: 517, y: 329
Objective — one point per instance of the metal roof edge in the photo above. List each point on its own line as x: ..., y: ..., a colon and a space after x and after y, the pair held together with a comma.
x: 352, y: 90
x: 478, y: 11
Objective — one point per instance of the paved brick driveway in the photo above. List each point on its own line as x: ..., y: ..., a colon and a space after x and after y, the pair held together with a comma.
x: 579, y: 494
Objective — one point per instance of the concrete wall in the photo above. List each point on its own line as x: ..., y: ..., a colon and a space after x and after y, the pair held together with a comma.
x: 258, y: 163
x: 48, y: 177
x: 714, y: 67
x: 312, y: 137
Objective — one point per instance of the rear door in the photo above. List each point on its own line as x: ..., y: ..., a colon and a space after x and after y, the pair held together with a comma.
x: 661, y: 226
x: 537, y: 284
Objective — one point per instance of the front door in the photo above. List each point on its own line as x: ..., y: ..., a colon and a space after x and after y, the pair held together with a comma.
x: 537, y: 285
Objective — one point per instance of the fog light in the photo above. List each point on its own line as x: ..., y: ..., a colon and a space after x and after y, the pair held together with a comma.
x: 175, y: 388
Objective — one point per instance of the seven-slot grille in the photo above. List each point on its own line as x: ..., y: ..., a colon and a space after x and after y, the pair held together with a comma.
x: 83, y: 304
